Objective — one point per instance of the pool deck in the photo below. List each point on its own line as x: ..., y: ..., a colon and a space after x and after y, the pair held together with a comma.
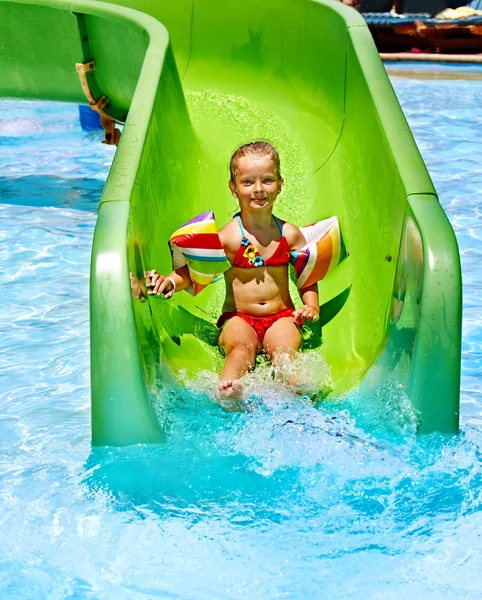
x: 432, y: 58
x: 433, y: 66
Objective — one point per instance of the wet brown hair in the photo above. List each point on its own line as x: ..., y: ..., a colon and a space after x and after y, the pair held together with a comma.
x: 257, y: 148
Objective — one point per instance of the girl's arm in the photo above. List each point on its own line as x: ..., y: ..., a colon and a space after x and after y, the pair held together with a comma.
x: 176, y: 281
x: 310, y: 311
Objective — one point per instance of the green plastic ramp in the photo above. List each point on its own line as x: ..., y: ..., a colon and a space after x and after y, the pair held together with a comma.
x: 204, y: 77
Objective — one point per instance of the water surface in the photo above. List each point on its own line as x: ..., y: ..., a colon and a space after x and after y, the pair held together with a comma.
x: 287, y: 501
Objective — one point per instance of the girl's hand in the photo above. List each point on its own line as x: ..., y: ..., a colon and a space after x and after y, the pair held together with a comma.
x: 159, y: 284
x: 307, y: 313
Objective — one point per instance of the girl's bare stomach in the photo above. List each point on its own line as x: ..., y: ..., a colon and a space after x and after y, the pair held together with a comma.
x: 258, y: 291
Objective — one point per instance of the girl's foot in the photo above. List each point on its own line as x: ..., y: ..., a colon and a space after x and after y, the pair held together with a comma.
x: 230, y: 388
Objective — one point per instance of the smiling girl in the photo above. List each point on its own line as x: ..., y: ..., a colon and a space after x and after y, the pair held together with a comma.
x: 258, y: 313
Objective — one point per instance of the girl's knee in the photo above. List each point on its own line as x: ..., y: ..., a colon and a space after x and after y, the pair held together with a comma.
x: 238, y: 333
x: 280, y: 342
x: 241, y: 348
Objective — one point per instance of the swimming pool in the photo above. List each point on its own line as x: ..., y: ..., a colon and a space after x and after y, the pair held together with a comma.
x: 288, y: 501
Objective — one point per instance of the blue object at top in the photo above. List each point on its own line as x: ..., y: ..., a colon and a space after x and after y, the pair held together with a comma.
x: 390, y: 20
x: 475, y: 4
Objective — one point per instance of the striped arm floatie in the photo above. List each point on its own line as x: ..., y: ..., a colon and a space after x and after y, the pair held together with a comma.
x: 324, y: 250
x: 197, y: 244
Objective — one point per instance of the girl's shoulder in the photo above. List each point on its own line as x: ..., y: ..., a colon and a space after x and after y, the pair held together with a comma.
x: 228, y: 228
x: 293, y: 235
x: 226, y: 233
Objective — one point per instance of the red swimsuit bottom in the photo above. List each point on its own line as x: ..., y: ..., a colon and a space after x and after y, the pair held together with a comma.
x: 260, y: 324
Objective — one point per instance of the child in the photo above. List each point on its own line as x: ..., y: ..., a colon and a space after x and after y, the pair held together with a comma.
x: 258, y: 313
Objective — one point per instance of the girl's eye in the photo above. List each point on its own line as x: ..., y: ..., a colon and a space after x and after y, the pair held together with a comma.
x: 248, y: 182
x: 267, y: 180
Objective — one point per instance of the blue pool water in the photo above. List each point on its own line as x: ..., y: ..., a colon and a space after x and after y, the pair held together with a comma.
x: 284, y: 502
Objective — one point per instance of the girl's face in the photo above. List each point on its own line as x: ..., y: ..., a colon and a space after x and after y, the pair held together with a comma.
x: 257, y: 185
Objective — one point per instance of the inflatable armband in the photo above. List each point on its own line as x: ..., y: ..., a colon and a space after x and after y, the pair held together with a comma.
x: 324, y: 250
x: 197, y: 245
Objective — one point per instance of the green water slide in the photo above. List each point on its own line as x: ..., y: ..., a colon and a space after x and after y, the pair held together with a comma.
x: 191, y: 84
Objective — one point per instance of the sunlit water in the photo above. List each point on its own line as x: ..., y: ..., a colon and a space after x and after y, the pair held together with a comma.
x: 284, y: 501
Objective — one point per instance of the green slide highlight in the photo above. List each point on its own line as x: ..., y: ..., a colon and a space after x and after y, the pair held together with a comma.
x: 191, y: 84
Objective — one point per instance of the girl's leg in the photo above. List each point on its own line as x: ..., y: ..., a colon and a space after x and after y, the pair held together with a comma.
x: 283, y: 336
x: 281, y: 343
x: 239, y: 342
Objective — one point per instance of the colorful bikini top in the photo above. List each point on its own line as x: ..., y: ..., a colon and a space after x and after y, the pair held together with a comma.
x: 197, y: 245
x: 248, y: 256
